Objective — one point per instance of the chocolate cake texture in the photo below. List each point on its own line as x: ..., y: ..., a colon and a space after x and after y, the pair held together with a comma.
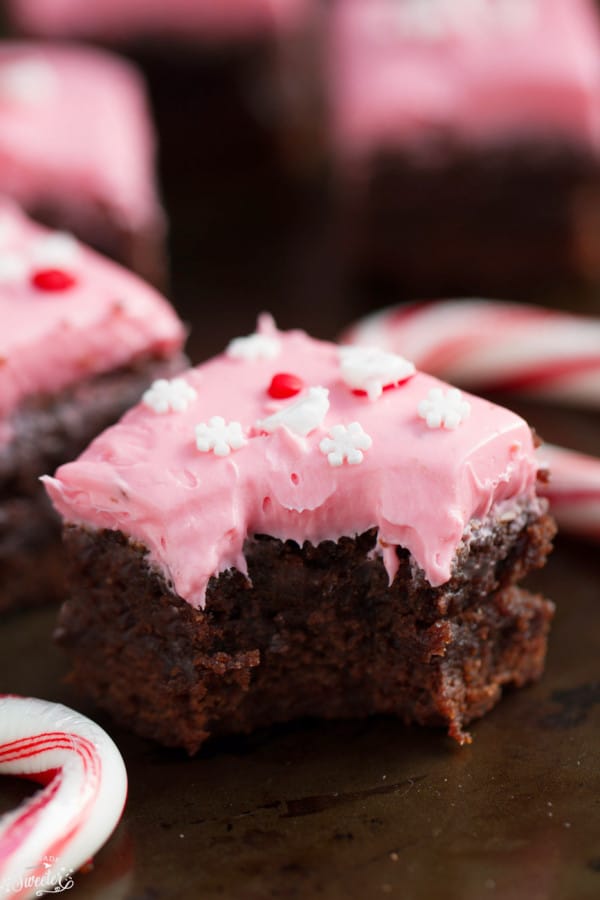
x: 310, y: 631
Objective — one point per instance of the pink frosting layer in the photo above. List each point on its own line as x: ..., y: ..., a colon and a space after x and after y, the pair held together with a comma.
x: 193, y: 510
x: 391, y: 84
x: 75, y: 132
x: 194, y: 19
x: 51, y: 339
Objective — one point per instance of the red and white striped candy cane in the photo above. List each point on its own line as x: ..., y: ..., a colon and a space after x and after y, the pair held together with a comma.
x: 486, y: 345
x: 573, y: 489
x: 84, y: 786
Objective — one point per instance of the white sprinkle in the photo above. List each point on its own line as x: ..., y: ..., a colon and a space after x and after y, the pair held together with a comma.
x: 165, y: 396
x: 300, y: 416
x: 27, y: 81
x: 253, y: 347
x: 444, y: 410
x: 56, y: 249
x: 371, y: 369
x: 219, y: 436
x: 345, y: 444
x: 13, y: 268
x: 434, y: 20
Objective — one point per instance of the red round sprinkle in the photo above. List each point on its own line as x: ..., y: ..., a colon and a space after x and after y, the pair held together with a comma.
x: 52, y: 280
x: 284, y: 385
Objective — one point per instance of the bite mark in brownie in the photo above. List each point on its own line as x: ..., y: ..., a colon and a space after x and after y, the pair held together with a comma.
x: 311, y: 631
x: 354, y: 545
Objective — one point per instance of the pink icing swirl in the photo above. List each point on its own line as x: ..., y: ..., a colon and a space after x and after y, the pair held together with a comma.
x: 193, y: 511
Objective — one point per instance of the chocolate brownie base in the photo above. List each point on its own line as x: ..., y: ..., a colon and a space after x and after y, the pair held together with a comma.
x: 313, y: 631
x: 45, y: 432
x: 512, y: 221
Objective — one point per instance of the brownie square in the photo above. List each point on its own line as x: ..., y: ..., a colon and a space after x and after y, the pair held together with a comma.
x: 81, y: 339
x: 466, y: 145
x: 298, y: 529
x: 78, y: 149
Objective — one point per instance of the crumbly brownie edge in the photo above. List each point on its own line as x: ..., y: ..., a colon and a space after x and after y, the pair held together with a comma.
x: 48, y: 431
x: 317, y: 631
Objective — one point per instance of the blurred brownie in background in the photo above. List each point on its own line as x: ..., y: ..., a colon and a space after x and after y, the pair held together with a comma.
x: 77, y: 149
x: 467, y: 142
x: 127, y: 21
x: 81, y: 338
x: 234, y: 85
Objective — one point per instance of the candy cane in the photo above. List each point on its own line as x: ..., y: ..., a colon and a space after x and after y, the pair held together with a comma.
x: 84, y: 789
x: 573, y: 489
x: 487, y: 345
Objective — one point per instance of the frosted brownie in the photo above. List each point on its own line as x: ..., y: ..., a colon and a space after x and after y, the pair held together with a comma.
x: 467, y: 142
x: 80, y: 340
x: 77, y: 149
x: 297, y: 529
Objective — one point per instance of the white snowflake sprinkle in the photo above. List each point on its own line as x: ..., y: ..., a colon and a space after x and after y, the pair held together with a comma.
x: 56, y: 249
x: 165, y: 396
x: 219, y: 436
x: 371, y: 369
x: 253, y: 347
x: 13, y: 268
x: 302, y: 415
x: 437, y: 19
x: 346, y: 444
x: 27, y: 81
x: 444, y: 410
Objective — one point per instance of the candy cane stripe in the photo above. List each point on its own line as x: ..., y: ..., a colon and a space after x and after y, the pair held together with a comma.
x: 67, y: 820
x: 484, y: 344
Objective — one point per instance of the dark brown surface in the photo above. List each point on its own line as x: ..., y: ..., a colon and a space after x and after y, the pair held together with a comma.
x: 313, y: 631
x: 345, y: 810
x: 368, y: 809
x: 47, y: 431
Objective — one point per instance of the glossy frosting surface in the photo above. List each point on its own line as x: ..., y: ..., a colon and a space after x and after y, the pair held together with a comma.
x: 74, y: 131
x: 50, y: 339
x: 193, y: 510
x: 405, y: 70
x: 131, y: 18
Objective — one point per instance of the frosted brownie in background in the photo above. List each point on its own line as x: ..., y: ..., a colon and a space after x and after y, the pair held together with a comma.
x: 81, y: 338
x: 77, y: 149
x: 128, y: 21
x: 233, y: 86
x: 467, y: 143
x: 294, y: 529
x: 271, y: 43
